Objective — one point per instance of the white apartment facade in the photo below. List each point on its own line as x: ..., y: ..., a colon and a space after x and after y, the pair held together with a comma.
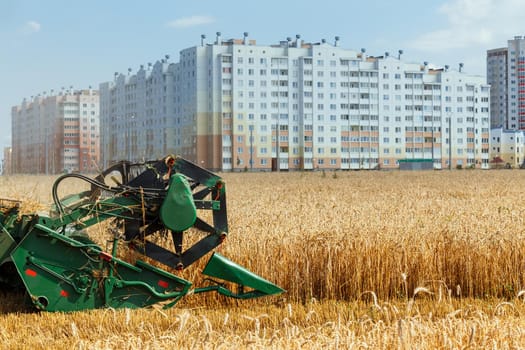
x: 507, y: 148
x: 137, y: 114
x: 235, y: 105
x: 56, y: 133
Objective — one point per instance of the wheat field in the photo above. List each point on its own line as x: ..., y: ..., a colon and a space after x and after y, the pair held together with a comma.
x: 394, y: 259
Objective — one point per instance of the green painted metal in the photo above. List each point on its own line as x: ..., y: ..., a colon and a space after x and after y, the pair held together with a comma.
x: 7, y: 243
x: 73, y: 200
x: 62, y: 269
x: 220, y: 267
x: 214, y: 205
x: 178, y: 210
x: 11, y: 228
x: 93, y: 213
x: 64, y: 274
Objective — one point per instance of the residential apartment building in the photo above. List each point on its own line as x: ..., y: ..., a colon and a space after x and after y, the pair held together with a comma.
x: 56, y: 133
x: 507, y: 147
x: 138, y: 114
x: 497, y: 78
x: 506, y: 75
x: 235, y: 105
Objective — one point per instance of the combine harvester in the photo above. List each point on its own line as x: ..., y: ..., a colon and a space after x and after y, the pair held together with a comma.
x: 61, y: 268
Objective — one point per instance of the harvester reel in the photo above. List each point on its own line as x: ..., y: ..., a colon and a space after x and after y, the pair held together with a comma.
x: 63, y: 269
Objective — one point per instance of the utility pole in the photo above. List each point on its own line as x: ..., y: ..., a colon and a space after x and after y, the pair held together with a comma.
x: 251, y: 147
x: 449, y: 142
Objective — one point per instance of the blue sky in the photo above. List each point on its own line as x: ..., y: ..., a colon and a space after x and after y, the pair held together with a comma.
x: 52, y: 44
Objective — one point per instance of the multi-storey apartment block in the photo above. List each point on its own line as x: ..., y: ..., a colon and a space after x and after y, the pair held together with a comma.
x: 235, y: 105
x: 497, y: 77
x: 138, y: 114
x: 506, y: 75
x: 507, y: 148
x: 57, y: 133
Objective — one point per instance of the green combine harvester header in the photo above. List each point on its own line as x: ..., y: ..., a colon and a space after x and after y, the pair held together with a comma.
x: 54, y: 261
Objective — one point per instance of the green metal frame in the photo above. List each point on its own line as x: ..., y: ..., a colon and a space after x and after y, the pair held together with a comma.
x: 220, y: 267
x: 63, y: 274
x: 62, y: 269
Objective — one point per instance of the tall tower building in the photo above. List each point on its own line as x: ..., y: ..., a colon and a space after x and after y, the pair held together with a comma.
x: 497, y: 77
x: 234, y: 105
x: 506, y: 75
x: 516, y: 82
x: 57, y: 133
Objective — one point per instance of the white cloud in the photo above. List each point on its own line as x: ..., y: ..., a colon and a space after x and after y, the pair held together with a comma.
x: 474, y: 24
x: 192, y: 21
x: 32, y: 27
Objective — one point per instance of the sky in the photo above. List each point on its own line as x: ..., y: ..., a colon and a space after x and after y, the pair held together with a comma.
x: 52, y: 44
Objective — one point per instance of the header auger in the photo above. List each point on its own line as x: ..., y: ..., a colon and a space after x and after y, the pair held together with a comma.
x: 61, y: 268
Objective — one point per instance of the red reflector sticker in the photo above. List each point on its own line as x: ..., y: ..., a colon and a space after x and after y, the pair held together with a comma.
x: 63, y: 293
x: 31, y: 273
x: 105, y: 256
x: 163, y: 284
